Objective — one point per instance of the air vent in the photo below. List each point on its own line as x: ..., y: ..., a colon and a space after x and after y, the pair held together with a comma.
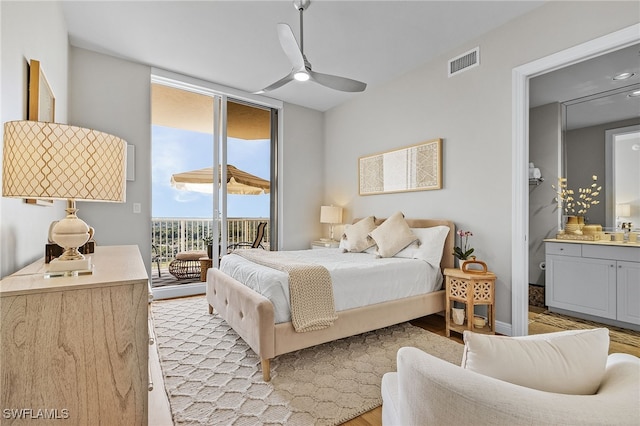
x: 464, y: 62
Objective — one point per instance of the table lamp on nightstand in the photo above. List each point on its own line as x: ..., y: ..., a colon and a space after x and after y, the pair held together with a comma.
x: 331, y: 215
x: 59, y: 162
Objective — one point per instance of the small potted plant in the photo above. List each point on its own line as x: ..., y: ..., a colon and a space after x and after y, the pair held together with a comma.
x: 208, y: 240
x: 463, y: 252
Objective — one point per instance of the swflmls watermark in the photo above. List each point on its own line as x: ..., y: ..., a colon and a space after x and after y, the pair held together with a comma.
x: 35, y: 413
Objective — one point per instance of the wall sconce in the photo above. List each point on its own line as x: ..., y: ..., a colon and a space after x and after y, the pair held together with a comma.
x: 331, y: 215
x: 60, y: 162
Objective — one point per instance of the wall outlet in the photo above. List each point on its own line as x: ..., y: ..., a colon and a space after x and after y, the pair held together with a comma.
x: 137, y: 207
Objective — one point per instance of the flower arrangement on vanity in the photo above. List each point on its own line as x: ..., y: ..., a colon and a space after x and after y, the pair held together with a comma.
x: 575, y: 206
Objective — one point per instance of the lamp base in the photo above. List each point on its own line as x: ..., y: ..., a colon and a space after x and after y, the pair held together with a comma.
x: 57, y: 265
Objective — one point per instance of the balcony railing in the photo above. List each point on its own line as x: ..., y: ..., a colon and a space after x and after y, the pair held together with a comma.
x: 170, y: 236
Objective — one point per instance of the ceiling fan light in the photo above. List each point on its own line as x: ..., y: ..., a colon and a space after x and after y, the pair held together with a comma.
x: 301, y: 76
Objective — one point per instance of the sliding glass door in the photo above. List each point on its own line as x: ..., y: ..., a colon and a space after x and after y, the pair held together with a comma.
x: 213, y: 162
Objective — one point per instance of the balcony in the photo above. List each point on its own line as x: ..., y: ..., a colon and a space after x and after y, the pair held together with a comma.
x: 170, y: 236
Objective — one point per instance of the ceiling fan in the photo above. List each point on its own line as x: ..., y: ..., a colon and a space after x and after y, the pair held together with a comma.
x: 301, y: 70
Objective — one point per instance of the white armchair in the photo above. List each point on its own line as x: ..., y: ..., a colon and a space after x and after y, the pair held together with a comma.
x: 429, y: 391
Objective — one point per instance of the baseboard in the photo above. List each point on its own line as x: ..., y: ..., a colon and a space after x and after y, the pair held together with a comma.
x: 182, y: 290
x: 503, y: 328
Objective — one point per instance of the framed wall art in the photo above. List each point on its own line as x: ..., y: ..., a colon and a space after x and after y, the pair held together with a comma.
x: 42, y: 102
x: 41, y: 107
x: 412, y: 168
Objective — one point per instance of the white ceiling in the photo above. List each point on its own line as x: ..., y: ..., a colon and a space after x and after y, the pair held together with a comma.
x: 234, y: 43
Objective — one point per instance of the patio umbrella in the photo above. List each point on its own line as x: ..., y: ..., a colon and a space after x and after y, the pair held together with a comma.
x: 238, y: 181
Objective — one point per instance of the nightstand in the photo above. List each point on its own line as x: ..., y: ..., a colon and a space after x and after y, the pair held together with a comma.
x: 320, y: 244
x: 471, y: 288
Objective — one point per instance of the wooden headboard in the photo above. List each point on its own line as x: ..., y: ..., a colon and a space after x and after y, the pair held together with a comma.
x: 448, y: 260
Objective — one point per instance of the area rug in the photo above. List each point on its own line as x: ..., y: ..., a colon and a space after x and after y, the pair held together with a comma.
x: 212, y: 377
x: 616, y: 334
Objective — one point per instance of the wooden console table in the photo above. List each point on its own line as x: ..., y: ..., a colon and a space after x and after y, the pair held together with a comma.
x: 76, y: 346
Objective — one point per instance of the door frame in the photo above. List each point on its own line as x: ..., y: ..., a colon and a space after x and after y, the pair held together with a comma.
x: 520, y: 156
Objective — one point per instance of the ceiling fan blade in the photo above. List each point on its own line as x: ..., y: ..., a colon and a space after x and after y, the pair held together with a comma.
x: 338, y: 83
x: 284, y: 80
x: 290, y: 46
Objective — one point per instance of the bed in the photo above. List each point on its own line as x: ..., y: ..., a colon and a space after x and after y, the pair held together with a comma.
x: 256, y: 320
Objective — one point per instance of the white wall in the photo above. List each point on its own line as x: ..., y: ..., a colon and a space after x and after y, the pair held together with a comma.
x: 472, y: 112
x: 302, y: 187
x: 114, y: 96
x: 545, y: 127
x: 29, y: 30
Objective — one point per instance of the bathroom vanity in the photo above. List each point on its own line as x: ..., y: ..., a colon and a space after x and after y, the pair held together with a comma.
x: 594, y: 280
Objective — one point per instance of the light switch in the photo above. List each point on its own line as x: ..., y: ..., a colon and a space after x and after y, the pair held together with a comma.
x: 136, y: 207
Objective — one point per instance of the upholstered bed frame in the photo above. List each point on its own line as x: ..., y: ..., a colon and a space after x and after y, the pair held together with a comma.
x: 251, y: 315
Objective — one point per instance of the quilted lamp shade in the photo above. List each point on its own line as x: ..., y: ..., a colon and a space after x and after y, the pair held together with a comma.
x: 55, y: 161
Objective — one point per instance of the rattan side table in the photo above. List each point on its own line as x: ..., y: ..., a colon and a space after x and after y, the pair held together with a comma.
x: 472, y: 288
x: 205, y: 264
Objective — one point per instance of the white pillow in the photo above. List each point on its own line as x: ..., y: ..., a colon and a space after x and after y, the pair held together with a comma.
x: 429, y: 246
x: 356, y: 237
x: 569, y: 362
x: 392, y: 235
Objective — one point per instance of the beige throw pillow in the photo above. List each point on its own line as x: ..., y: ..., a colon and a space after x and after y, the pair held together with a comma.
x: 393, y: 235
x: 569, y: 362
x: 356, y: 237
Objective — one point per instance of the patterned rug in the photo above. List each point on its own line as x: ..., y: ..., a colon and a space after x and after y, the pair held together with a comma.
x: 616, y: 334
x: 212, y: 377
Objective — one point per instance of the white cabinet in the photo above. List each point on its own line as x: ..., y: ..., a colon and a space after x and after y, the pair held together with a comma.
x: 597, y: 279
x: 628, y: 278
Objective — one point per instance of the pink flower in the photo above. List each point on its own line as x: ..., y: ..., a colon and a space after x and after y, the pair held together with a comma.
x: 463, y: 251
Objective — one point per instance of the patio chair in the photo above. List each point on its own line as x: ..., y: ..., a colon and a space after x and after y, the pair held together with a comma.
x: 257, y: 242
x: 156, y: 258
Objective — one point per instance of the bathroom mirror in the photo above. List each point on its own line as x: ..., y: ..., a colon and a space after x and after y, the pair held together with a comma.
x: 609, y: 150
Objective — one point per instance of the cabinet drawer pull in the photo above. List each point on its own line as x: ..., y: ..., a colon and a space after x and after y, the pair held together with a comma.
x: 150, y: 381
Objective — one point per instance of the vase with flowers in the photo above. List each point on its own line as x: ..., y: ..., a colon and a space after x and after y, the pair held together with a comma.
x: 463, y: 252
x: 576, y: 205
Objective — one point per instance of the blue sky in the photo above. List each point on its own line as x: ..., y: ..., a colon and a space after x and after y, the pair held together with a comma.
x: 176, y: 151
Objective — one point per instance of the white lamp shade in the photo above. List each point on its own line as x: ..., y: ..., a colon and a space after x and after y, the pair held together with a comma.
x: 330, y: 214
x: 623, y: 210
x: 57, y: 161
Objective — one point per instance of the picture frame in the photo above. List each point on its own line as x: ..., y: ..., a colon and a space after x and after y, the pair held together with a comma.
x: 42, y: 101
x: 41, y: 107
x: 411, y: 168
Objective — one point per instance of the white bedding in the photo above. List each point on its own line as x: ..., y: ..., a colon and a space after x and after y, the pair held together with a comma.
x: 359, y: 279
